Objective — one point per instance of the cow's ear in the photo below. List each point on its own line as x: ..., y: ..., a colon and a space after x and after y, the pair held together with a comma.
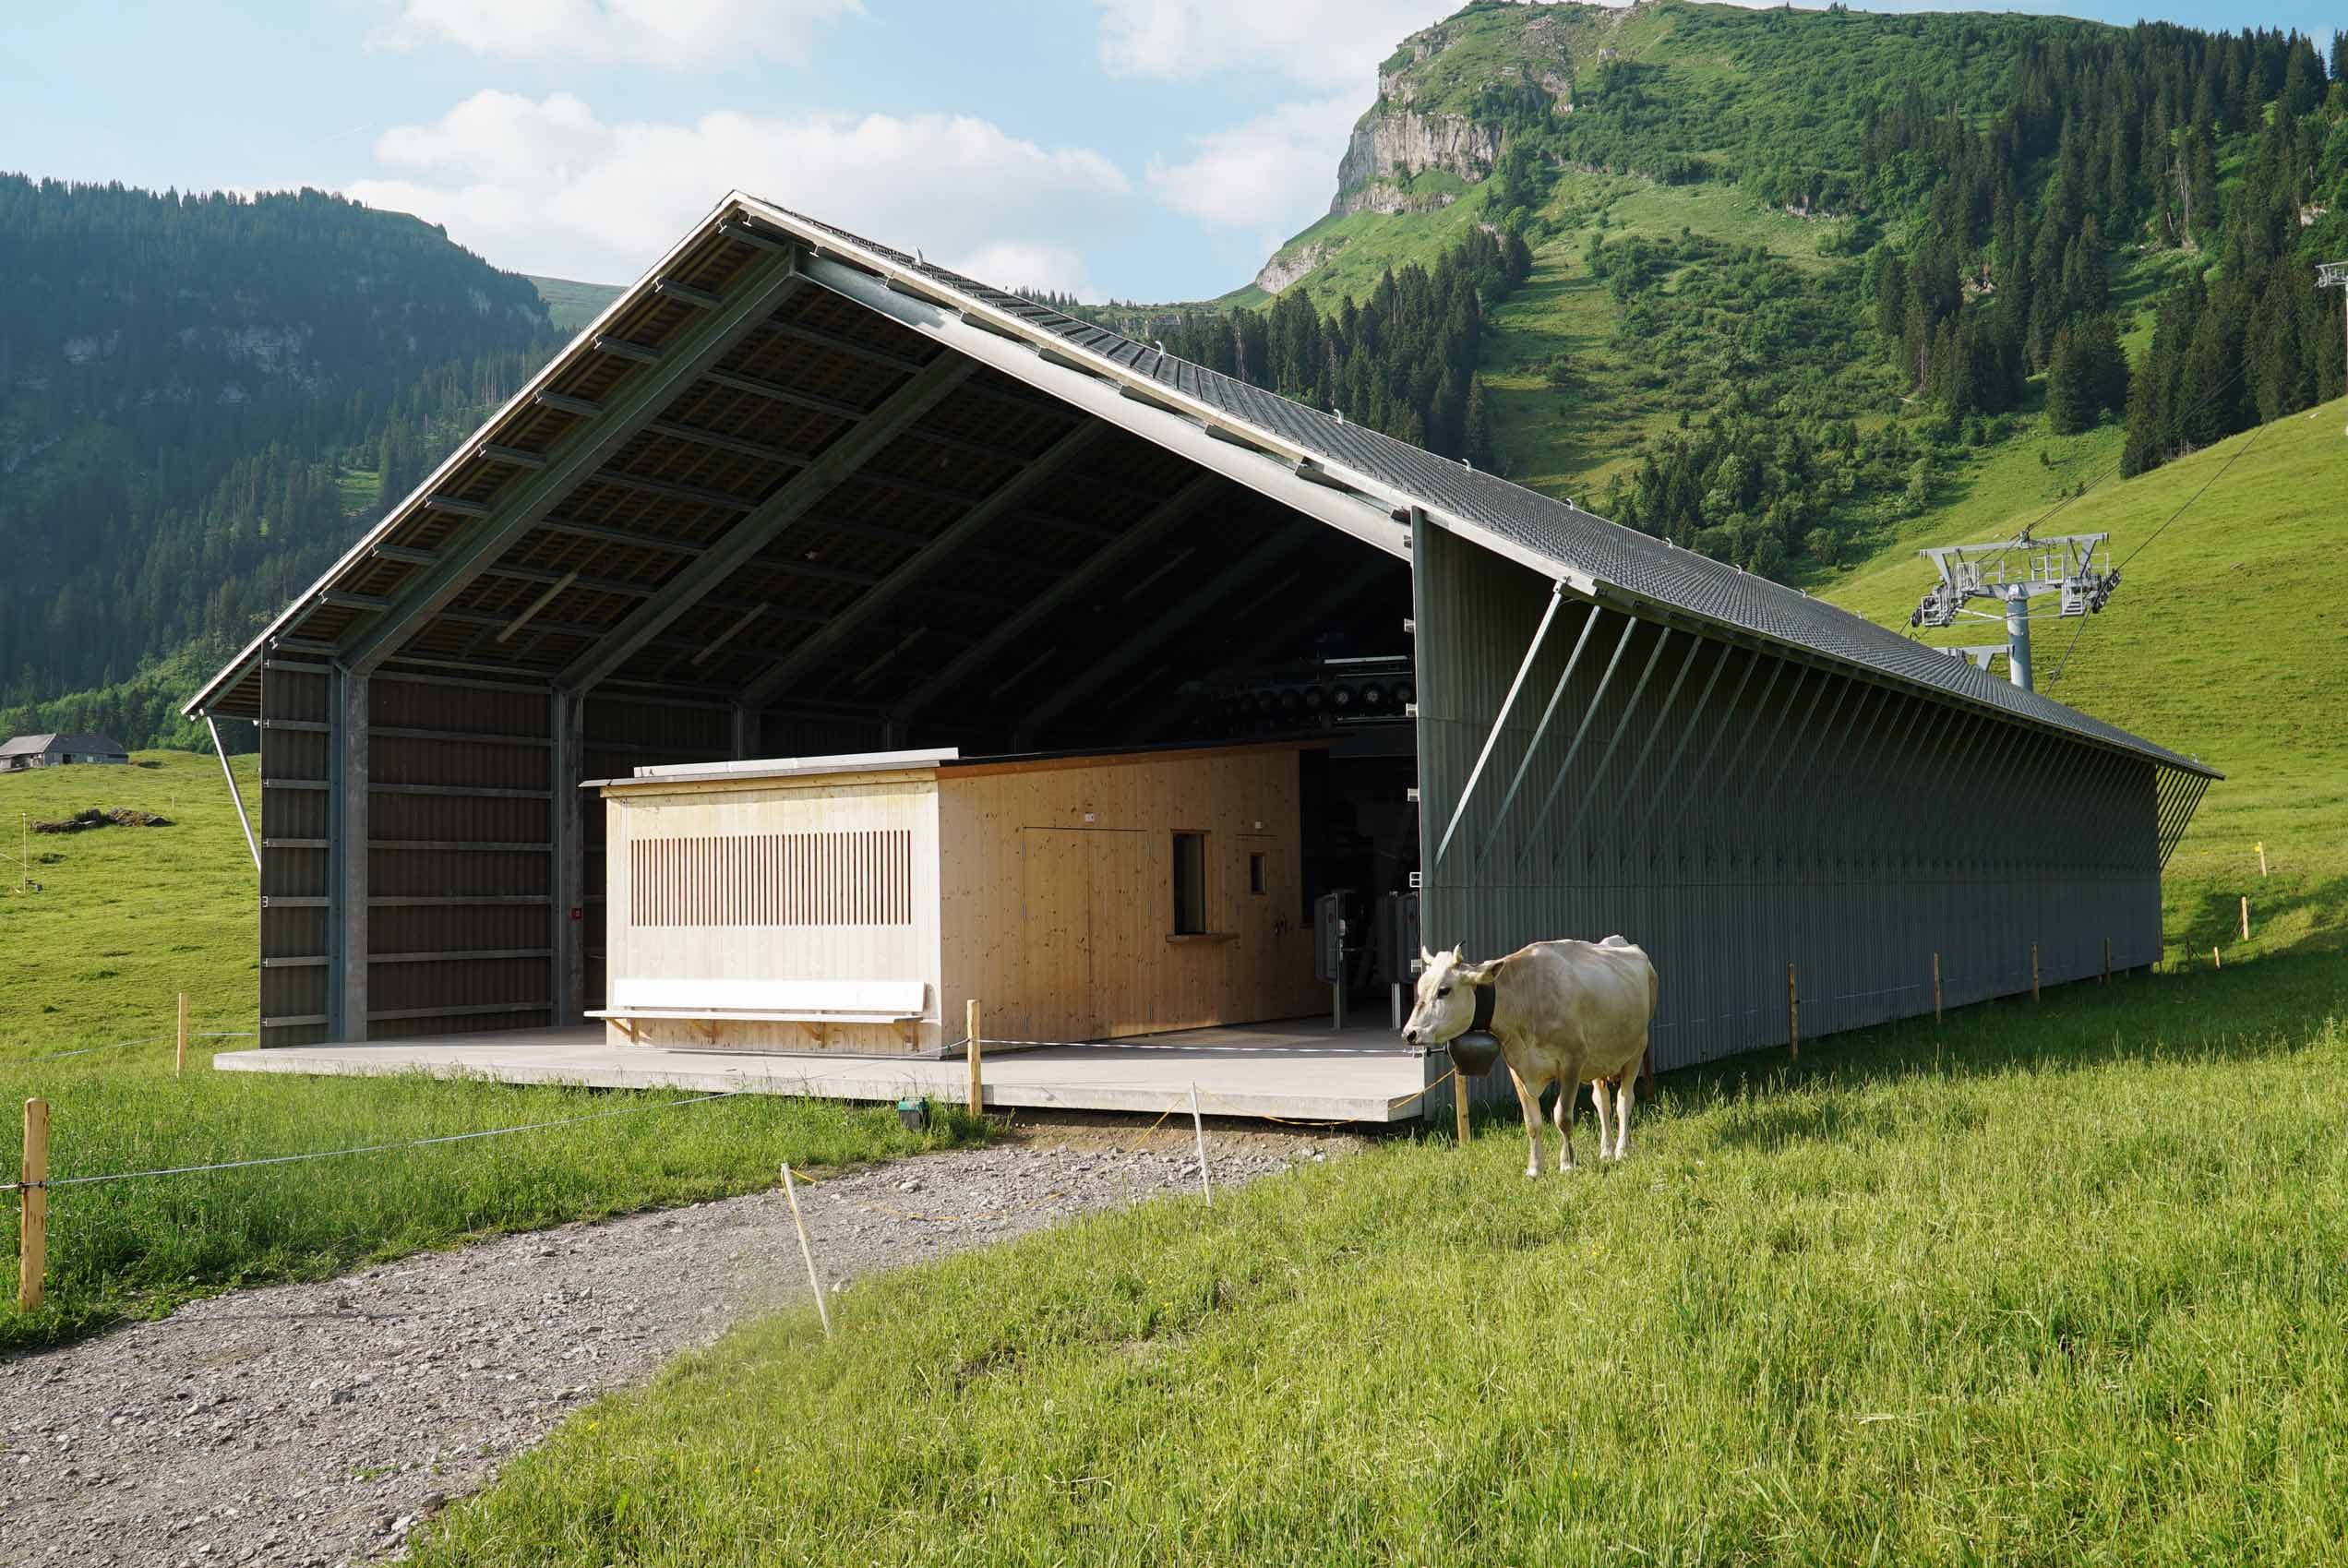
x: 1483, y: 974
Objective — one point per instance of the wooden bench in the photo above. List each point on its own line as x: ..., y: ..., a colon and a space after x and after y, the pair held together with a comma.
x: 817, y: 1004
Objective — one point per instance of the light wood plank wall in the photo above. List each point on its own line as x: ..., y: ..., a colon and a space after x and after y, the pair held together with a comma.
x: 854, y: 936
x: 1057, y: 893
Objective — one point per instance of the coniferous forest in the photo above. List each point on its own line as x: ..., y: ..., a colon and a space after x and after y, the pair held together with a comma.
x: 200, y: 397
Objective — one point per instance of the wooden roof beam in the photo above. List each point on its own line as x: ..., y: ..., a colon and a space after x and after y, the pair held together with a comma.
x: 639, y: 398
x: 921, y: 391
x: 1141, y: 536
x: 887, y: 591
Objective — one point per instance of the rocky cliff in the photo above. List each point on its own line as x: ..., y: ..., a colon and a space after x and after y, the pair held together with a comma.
x: 1442, y: 98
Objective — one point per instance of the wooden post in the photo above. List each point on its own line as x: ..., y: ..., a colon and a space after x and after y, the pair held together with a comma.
x: 978, y: 1088
x: 807, y: 1251
x: 1198, y: 1125
x: 1459, y: 1102
x: 1935, y: 988
x: 2033, y: 972
x: 2217, y: 960
x: 1793, y: 1015
x: 2245, y: 918
x: 32, y: 1236
x: 2107, y: 962
x: 180, y: 1067
x: 2262, y: 858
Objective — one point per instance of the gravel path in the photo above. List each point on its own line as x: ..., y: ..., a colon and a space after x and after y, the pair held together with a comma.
x: 316, y: 1424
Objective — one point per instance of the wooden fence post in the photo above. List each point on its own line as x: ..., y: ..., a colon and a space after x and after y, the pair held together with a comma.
x: 1459, y: 1102
x: 2033, y: 971
x: 2107, y: 962
x: 977, y: 1087
x: 2217, y: 961
x: 32, y: 1234
x: 1935, y: 988
x: 2245, y: 918
x: 2262, y: 858
x: 180, y: 1069
x: 1793, y: 1015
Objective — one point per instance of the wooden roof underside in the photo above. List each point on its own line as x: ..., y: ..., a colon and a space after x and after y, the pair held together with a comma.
x: 823, y: 514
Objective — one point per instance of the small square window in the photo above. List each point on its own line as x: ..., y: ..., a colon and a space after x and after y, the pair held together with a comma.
x: 1257, y: 875
x: 1190, y: 885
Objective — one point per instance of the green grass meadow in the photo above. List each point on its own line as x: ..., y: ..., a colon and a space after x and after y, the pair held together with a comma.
x: 2056, y: 1284
x: 125, y: 918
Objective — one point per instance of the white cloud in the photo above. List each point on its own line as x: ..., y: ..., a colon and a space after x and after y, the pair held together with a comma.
x: 1273, y: 174
x: 544, y: 187
x: 671, y: 34
x: 1320, y: 42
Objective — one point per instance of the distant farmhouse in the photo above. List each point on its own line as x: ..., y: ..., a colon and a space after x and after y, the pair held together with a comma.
x: 56, y: 750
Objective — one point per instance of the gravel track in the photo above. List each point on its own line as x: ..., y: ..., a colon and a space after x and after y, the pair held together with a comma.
x: 318, y: 1424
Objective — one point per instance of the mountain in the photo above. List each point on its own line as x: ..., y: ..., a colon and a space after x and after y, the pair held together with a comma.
x: 198, y: 395
x: 570, y: 305
x: 1797, y: 278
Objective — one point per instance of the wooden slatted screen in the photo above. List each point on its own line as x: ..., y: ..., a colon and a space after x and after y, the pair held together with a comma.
x: 824, y: 879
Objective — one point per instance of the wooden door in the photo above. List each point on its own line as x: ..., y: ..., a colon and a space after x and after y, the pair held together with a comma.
x: 1128, y: 937
x: 1057, y: 938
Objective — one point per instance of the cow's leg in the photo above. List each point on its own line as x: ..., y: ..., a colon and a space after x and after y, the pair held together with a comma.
x: 1598, y: 1089
x: 1569, y: 1089
x: 1624, y: 1097
x: 1529, y: 1099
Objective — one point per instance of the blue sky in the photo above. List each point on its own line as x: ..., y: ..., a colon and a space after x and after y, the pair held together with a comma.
x: 1145, y: 149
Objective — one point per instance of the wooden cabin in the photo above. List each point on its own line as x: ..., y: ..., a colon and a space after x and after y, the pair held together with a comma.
x: 854, y: 903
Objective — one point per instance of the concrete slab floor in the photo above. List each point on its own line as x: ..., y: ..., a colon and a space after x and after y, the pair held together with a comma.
x: 1296, y: 1070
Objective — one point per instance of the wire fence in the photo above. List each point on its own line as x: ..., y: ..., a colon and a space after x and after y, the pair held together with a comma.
x: 141, y: 1040
x: 55, y: 1181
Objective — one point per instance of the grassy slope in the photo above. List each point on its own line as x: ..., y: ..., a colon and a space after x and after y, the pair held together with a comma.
x: 126, y: 918
x: 2006, y: 1292
x: 571, y: 304
x: 2225, y: 642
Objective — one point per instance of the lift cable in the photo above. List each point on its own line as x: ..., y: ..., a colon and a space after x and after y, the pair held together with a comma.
x: 2255, y: 432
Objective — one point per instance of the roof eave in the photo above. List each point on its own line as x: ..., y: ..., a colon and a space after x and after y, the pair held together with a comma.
x: 238, y: 668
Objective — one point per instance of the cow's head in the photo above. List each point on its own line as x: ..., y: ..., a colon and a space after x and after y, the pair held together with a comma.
x: 1445, y: 1005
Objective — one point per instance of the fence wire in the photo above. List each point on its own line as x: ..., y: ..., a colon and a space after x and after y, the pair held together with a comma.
x: 142, y: 1040
x: 367, y: 1148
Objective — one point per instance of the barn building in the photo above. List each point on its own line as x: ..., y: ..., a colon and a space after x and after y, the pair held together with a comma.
x: 801, y: 509
x: 25, y: 751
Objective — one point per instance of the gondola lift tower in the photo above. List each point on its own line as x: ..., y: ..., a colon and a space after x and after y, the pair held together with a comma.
x: 2013, y: 572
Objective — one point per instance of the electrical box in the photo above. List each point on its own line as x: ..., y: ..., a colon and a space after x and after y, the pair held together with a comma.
x: 1329, y: 941
x: 1398, y: 940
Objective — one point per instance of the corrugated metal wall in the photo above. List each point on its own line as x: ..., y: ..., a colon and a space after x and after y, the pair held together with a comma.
x: 1734, y: 812
x: 459, y: 856
x: 296, y: 946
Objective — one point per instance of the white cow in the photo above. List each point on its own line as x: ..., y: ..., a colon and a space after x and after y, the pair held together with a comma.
x: 1565, y: 1012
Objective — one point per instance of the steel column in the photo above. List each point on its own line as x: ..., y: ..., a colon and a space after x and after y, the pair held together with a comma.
x: 347, y: 857
x: 566, y: 766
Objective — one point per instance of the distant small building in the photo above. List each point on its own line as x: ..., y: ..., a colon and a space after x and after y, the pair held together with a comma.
x: 56, y: 750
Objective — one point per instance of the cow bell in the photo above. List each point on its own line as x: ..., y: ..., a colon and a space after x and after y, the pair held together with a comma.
x: 1474, y: 1052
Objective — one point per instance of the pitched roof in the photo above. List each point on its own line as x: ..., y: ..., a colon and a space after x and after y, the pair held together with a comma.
x: 1086, y: 366
x: 27, y: 745
x: 1579, y: 542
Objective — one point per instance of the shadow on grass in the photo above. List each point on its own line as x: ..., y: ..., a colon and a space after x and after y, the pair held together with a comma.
x: 2215, y: 916
x: 2247, y: 1011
